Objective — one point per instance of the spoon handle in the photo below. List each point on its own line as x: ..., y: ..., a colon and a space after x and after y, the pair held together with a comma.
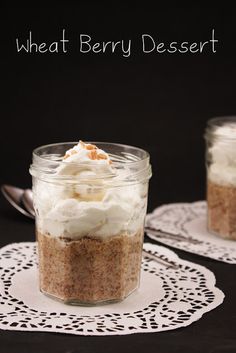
x: 165, y: 235
x: 158, y: 259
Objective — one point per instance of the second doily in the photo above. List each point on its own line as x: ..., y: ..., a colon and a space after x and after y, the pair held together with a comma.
x: 189, y: 220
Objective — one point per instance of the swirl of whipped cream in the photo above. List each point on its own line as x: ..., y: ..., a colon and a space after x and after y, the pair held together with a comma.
x: 222, y: 169
x: 85, y: 159
x: 89, y: 207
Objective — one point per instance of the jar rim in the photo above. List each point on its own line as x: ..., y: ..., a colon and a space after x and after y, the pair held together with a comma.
x: 214, y: 124
x: 135, y: 159
x: 44, y: 158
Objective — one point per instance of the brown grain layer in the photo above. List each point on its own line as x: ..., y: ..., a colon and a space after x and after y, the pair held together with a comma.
x: 89, y: 270
x: 221, y: 202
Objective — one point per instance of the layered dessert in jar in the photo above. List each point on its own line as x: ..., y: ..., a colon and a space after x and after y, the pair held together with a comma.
x: 90, y: 203
x: 221, y: 176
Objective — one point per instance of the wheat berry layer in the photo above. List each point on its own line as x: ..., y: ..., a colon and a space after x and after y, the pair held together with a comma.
x: 221, y: 201
x: 89, y: 270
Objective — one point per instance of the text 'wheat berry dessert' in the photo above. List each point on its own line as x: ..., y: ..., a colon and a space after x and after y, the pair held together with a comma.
x: 90, y: 210
x: 221, y: 176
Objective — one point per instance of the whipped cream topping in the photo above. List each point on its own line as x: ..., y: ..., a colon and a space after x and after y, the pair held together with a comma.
x: 223, y: 155
x: 89, y: 207
x: 86, y: 152
x: 85, y: 159
x: 226, y: 130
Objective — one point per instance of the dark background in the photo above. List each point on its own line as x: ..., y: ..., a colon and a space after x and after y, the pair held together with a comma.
x: 159, y: 102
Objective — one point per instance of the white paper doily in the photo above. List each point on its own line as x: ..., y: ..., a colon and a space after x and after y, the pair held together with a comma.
x: 167, y: 298
x: 190, y: 220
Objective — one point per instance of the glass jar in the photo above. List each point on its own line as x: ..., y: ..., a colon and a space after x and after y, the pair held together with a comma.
x: 90, y: 224
x: 221, y: 176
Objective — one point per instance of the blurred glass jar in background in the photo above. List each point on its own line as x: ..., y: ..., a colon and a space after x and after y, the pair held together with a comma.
x: 220, y: 138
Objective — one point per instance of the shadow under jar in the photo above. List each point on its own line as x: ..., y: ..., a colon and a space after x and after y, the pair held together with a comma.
x: 221, y: 176
x: 90, y: 222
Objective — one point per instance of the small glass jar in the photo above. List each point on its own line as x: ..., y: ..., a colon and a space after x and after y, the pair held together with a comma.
x: 90, y: 225
x: 220, y: 138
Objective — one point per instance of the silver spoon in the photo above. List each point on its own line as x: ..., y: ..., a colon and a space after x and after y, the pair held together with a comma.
x: 158, y: 259
x: 16, y: 196
x: 20, y: 197
x: 17, y: 199
x: 27, y: 200
x: 179, y: 237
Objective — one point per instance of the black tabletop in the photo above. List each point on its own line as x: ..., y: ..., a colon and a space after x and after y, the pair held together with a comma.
x: 214, y: 332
